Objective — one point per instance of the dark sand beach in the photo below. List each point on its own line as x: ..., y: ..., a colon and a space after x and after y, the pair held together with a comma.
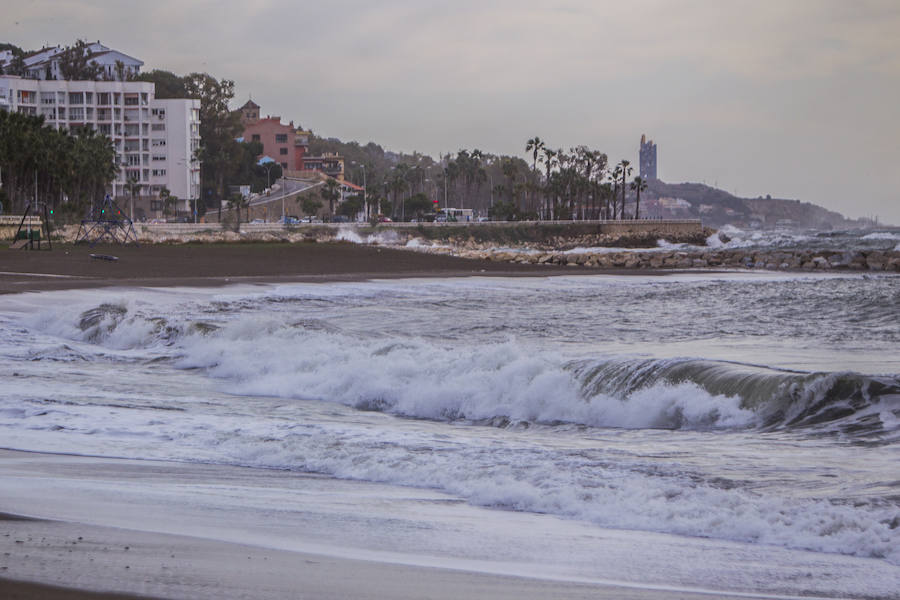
x: 69, y: 266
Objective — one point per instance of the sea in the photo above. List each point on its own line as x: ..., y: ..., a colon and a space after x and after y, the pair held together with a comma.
x: 730, y: 431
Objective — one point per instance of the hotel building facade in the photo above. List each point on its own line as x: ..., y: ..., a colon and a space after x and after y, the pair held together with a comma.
x: 155, y: 140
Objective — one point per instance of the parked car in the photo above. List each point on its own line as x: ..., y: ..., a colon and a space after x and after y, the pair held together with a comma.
x: 340, y: 219
x: 384, y: 219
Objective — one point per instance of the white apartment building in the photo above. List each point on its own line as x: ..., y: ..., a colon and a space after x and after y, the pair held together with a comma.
x: 174, y: 140
x: 154, y: 139
x: 44, y: 64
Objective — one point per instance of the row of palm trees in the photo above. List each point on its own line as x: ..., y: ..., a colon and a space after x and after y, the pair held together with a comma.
x: 556, y: 185
x: 64, y: 169
x: 580, y: 185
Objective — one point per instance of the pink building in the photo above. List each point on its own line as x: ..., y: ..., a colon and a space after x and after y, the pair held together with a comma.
x: 283, y: 143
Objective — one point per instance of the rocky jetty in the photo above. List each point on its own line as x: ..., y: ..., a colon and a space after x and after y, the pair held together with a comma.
x: 632, y: 251
x: 805, y: 260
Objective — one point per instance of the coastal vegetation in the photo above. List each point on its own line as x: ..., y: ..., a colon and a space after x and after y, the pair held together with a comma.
x: 559, y: 184
x: 64, y: 169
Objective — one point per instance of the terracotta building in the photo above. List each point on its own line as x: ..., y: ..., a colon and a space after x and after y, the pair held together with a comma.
x: 285, y: 144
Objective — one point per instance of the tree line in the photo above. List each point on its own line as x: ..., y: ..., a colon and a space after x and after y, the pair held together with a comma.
x: 555, y: 185
x: 67, y: 170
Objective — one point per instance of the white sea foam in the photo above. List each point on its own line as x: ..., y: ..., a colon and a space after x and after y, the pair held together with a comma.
x: 288, y: 381
x: 563, y: 475
x: 382, y: 238
x: 666, y: 245
x: 882, y: 235
x: 347, y: 234
x: 714, y: 241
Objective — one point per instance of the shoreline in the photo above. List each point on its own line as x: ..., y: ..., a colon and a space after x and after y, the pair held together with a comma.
x: 131, y: 552
x: 213, y: 265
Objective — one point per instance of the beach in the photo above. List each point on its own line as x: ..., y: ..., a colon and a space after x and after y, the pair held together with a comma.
x: 138, y: 554
x: 69, y: 266
x: 350, y: 421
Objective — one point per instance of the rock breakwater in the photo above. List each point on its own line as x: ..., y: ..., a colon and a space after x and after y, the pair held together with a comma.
x: 875, y: 260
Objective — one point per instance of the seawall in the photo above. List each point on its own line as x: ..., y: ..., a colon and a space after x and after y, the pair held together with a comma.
x: 777, y: 260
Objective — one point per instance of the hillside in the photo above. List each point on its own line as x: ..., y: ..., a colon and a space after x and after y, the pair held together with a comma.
x: 717, y: 207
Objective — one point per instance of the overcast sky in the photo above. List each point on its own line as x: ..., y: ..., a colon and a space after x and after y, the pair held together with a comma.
x: 793, y: 98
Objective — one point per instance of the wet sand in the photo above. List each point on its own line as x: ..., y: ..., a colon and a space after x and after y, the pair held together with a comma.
x: 69, y: 266
x: 72, y: 549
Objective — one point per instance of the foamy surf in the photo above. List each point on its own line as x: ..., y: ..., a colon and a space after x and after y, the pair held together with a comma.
x: 541, y: 396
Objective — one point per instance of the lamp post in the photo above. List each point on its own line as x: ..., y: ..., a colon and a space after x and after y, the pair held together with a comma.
x: 268, y: 168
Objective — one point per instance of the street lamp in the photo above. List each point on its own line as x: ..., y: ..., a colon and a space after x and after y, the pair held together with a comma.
x: 268, y: 167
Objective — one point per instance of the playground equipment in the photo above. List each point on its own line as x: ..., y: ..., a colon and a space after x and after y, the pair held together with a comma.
x: 27, y: 236
x: 107, y: 222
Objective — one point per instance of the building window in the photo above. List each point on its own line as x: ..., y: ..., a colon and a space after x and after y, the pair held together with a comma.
x: 156, y: 205
x: 89, y: 97
x: 255, y: 137
x: 282, y: 151
x: 284, y: 166
x: 281, y: 138
x: 159, y: 172
x: 103, y: 98
x: 27, y: 97
x: 159, y: 127
x: 76, y: 98
x: 159, y: 143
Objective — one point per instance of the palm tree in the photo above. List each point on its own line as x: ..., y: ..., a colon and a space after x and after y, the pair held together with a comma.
x: 331, y: 192
x: 617, y: 172
x: 638, y: 185
x: 171, y: 201
x: 626, y: 171
x: 132, y: 186
x: 164, y: 194
x: 535, y: 145
x: 509, y: 172
x: 550, y: 160
x: 236, y: 202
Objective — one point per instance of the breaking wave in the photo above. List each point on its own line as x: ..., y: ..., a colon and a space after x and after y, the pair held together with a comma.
x: 510, y: 383
x: 505, y: 382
